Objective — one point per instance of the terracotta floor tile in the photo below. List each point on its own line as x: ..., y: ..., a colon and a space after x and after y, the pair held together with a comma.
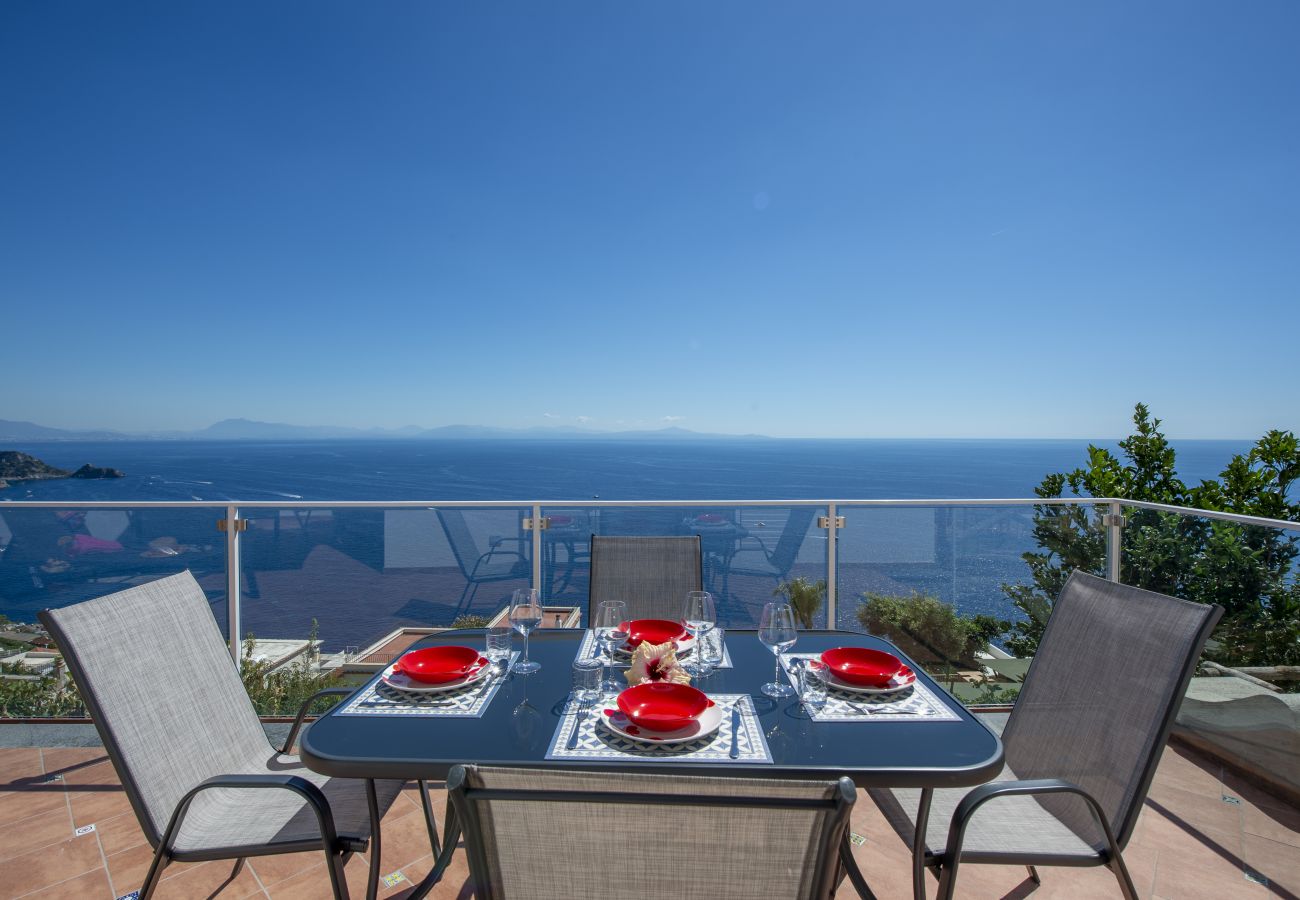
x: 1194, y: 812
x: 1281, y: 824
x: 126, y: 869
x: 282, y: 866
x: 1278, y: 862
x: 1184, y: 871
x: 98, y: 774
x: 16, y: 805
x: 65, y: 759
x: 119, y: 833
x: 19, y: 763
x: 91, y: 886
x: 51, y: 864
x: 314, y: 883
x: 34, y: 832
x: 199, y: 880
x: 97, y: 805
x: 404, y: 840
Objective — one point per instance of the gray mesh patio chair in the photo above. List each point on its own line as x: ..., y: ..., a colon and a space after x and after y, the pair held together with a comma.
x: 651, y: 574
x: 192, y: 756
x: 1082, y: 742
x: 543, y: 834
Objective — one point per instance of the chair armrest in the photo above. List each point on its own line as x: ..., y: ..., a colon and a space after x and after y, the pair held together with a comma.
x: 994, y: 789
x: 301, y: 786
x: 306, y: 705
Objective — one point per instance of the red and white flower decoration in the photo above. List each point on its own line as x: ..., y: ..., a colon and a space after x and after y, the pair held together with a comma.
x: 656, y: 662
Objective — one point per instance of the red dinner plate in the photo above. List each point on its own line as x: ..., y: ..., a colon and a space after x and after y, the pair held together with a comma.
x: 653, y: 631
x: 662, y: 705
x: 858, y: 665
x: 439, y: 665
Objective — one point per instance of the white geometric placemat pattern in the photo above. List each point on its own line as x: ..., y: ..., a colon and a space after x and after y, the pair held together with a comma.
x: 588, y: 649
x: 916, y: 702
x: 595, y: 741
x: 379, y: 699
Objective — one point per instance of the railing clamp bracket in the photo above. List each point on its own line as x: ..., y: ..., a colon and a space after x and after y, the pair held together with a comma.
x: 224, y: 524
x: 827, y: 523
x: 541, y: 523
x: 1114, y: 520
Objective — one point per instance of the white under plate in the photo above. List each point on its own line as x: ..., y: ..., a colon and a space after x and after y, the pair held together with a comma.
x: 841, y: 685
x: 402, y: 682
x: 708, y: 723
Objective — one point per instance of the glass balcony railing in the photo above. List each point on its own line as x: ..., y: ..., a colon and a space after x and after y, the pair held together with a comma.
x: 961, y: 585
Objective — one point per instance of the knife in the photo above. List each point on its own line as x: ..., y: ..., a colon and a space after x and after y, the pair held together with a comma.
x: 735, y: 729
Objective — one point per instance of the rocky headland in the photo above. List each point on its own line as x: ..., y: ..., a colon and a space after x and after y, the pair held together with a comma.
x: 16, y: 466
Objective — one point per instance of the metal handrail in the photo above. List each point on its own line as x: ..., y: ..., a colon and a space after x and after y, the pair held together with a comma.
x: 596, y: 504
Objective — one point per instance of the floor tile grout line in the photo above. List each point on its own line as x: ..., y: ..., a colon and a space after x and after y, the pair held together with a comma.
x: 103, y: 859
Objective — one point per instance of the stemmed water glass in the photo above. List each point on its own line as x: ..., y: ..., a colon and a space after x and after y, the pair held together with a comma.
x: 699, y: 615
x: 776, y: 631
x: 525, y: 615
x: 610, y: 616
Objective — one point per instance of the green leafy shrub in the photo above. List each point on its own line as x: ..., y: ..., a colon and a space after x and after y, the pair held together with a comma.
x: 1246, y: 569
x: 927, y: 629
x: 804, y: 596
x: 470, y: 621
x: 283, y: 691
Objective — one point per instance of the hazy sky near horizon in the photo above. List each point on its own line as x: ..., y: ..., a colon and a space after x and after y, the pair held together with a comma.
x: 859, y: 219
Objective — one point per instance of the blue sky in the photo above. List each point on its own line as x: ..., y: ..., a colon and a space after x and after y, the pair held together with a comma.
x: 836, y: 219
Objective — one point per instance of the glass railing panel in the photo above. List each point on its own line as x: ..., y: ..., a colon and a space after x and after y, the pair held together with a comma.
x: 1252, y: 571
x: 962, y: 590
x: 50, y: 558
x: 360, y: 579
x: 747, y: 551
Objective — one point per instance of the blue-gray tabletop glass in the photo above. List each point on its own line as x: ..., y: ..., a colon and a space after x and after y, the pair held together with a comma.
x: 518, y: 725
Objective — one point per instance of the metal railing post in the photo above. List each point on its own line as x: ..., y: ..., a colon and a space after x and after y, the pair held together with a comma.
x: 831, y: 534
x: 232, y: 580
x: 1114, y: 540
x: 537, y: 549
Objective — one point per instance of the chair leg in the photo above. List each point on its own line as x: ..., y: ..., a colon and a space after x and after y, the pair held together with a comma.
x: 918, y: 844
x: 849, y: 867
x: 1126, y: 886
x: 154, y: 875
x: 376, y: 849
x: 430, y: 822
x: 338, y: 880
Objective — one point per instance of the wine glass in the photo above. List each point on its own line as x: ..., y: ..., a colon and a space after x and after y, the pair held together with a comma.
x: 699, y: 615
x: 525, y: 615
x: 610, y: 616
x: 776, y: 631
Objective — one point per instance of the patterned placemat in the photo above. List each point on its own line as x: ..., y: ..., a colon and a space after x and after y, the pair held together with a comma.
x: 913, y: 703
x: 590, y: 648
x: 595, y: 741
x: 379, y: 699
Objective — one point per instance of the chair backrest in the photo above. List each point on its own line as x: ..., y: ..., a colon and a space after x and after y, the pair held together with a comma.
x: 1101, y: 695
x: 543, y: 834
x: 164, y: 694
x: 651, y: 574
x: 463, y: 545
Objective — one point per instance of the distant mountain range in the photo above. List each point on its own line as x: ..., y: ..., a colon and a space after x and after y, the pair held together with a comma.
x: 249, y: 430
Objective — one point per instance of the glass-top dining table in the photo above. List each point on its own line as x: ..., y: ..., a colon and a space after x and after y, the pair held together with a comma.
x: 917, y: 737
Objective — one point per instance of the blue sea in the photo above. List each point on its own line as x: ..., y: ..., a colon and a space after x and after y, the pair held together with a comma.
x: 577, y: 469
x: 360, y: 573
